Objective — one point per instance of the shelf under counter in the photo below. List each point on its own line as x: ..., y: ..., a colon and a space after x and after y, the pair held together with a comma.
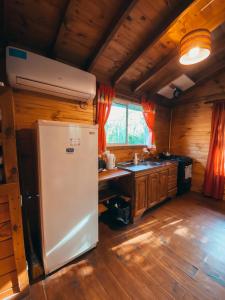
x: 112, y: 174
x: 111, y: 177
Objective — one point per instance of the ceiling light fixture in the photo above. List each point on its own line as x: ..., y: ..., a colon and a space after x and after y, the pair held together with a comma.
x: 195, y: 46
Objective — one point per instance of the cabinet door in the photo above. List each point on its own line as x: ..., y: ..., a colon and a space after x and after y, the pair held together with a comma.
x: 153, y: 189
x: 163, y: 185
x: 141, y: 190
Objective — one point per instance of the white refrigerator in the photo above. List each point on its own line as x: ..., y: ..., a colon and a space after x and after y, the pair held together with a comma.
x: 68, y: 188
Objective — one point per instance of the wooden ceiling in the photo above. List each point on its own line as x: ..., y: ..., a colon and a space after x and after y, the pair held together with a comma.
x: 130, y: 44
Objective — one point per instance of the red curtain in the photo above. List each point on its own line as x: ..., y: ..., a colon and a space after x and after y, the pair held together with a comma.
x: 149, y: 115
x: 105, y: 97
x: 215, y: 168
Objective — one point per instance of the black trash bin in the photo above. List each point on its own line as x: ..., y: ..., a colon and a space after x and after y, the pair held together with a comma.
x: 118, y: 213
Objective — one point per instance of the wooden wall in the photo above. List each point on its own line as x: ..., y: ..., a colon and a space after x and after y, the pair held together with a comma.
x: 191, y: 125
x: 190, y: 136
x: 30, y: 107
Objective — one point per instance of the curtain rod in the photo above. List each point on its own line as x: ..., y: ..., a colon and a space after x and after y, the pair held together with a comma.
x: 213, y: 101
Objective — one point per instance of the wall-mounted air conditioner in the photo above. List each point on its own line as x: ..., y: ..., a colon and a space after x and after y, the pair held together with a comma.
x: 30, y: 71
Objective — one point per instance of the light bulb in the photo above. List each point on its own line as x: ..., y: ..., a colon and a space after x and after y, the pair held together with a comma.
x: 194, y: 52
x: 195, y: 46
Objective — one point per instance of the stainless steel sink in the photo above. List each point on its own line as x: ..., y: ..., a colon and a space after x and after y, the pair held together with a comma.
x: 150, y: 163
x: 143, y: 163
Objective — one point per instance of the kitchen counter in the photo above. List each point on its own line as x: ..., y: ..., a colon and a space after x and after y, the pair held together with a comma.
x: 146, y: 184
x: 112, y: 174
x: 151, y: 183
x: 144, y: 166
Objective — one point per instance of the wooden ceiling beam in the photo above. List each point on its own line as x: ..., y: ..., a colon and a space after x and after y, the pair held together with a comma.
x: 141, y: 83
x: 110, y: 33
x: 209, y: 63
x: 64, y: 10
x: 153, y: 39
x: 158, y: 99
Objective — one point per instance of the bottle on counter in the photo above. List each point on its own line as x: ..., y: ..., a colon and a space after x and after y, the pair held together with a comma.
x: 135, y: 158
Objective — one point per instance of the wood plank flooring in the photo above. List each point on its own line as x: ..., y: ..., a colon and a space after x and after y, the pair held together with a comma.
x: 176, y: 251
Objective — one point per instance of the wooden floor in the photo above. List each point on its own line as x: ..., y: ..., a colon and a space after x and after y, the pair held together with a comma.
x: 176, y: 251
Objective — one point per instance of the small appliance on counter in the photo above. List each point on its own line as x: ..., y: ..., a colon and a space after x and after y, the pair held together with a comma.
x: 101, y: 164
x: 110, y: 160
x: 184, y: 174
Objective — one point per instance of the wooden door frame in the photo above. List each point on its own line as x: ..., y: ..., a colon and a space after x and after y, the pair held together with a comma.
x: 11, y: 188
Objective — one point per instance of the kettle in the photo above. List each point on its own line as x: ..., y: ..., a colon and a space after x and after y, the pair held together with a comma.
x: 110, y: 161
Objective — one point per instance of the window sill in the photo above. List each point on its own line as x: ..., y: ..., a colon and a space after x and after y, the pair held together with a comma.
x: 119, y: 146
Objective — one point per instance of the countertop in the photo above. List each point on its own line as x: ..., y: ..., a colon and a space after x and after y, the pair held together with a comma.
x: 112, y: 174
x: 128, y: 169
x: 143, y: 167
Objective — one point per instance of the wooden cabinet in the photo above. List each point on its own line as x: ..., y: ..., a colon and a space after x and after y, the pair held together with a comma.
x: 153, y: 189
x: 157, y: 187
x: 163, y: 184
x: 172, y: 181
x: 141, y: 194
x: 153, y: 186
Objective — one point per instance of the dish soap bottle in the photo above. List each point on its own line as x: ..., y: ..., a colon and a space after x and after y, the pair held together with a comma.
x: 135, y: 158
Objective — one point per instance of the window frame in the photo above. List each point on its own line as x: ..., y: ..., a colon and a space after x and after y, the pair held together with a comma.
x: 126, y: 103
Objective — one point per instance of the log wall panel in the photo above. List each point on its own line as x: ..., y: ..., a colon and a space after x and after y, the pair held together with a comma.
x: 5, y: 231
x: 6, y: 248
x: 8, y: 281
x: 125, y: 153
x: 7, y: 265
x: 29, y: 107
x: 4, y: 212
x: 3, y: 199
x: 162, y: 128
x: 191, y: 125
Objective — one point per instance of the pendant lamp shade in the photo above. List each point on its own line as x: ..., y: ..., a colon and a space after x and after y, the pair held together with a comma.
x: 195, y: 46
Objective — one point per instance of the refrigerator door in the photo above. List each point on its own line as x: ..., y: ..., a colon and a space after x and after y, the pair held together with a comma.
x: 68, y: 191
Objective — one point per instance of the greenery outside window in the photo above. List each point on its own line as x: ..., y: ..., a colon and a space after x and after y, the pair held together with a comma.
x: 126, y: 125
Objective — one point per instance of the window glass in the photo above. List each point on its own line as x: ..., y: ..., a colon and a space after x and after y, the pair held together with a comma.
x: 138, y: 132
x: 126, y: 125
x: 116, y: 124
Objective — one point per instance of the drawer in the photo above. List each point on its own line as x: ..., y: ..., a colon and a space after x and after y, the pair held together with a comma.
x: 172, y: 182
x: 173, y: 170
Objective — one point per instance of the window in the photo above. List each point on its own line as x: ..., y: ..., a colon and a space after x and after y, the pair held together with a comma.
x: 126, y: 125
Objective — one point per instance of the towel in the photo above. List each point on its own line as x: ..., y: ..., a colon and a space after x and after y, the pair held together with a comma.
x: 188, y: 171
